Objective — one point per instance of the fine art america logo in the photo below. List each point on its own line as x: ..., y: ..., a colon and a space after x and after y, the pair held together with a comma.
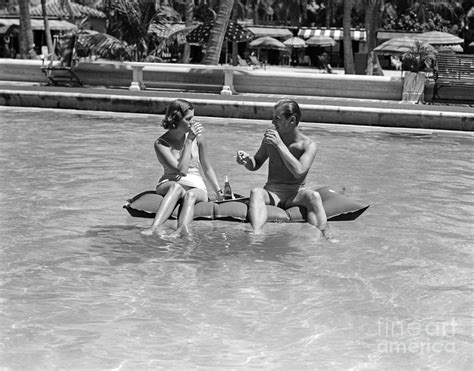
x: 416, y: 336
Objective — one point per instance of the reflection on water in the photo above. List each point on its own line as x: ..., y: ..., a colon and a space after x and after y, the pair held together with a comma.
x: 82, y: 288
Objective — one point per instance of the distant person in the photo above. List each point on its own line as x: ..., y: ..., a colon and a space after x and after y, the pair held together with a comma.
x: 182, y: 150
x: 396, y: 62
x: 290, y: 154
x: 7, y: 51
x: 323, y: 60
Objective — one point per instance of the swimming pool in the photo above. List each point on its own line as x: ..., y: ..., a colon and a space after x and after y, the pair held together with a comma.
x: 82, y: 288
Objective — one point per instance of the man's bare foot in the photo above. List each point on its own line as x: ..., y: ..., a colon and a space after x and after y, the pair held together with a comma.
x: 329, y: 236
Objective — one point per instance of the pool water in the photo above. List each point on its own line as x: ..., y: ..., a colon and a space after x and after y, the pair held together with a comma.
x: 82, y: 288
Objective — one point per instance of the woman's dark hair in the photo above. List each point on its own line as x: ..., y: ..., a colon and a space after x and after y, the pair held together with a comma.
x: 289, y: 108
x: 175, y: 112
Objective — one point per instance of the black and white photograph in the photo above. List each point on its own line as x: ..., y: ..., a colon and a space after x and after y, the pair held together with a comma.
x: 236, y: 185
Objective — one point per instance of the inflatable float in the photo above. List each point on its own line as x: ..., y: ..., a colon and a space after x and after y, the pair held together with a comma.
x: 337, y: 206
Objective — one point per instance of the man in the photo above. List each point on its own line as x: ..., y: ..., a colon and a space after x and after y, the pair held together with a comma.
x: 290, y: 154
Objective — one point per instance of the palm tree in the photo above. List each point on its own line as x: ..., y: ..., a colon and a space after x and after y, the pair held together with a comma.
x: 349, y: 67
x: 328, y: 5
x: 372, y: 15
x: 26, y: 33
x: 188, y: 17
x: 216, y: 37
x: 66, y: 4
x: 372, y: 12
x: 47, y: 31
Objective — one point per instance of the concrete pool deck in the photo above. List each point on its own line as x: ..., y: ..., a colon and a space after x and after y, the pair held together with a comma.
x: 367, y: 112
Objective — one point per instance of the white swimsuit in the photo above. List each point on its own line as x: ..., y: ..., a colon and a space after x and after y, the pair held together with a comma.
x: 193, y: 179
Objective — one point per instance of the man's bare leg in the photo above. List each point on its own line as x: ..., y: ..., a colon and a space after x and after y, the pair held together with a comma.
x: 257, y: 210
x: 316, y: 214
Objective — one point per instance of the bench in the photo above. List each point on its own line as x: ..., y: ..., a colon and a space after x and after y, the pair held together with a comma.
x: 452, y: 70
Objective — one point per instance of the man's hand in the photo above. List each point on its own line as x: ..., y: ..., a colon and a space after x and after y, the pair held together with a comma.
x: 242, y: 158
x: 272, y: 137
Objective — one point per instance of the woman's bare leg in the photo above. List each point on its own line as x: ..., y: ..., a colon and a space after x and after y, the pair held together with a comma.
x: 174, y: 192
x: 186, y: 214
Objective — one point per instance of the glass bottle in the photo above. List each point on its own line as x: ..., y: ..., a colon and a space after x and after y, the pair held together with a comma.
x: 227, y: 189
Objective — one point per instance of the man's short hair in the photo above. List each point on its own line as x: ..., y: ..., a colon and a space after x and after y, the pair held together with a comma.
x: 289, y: 107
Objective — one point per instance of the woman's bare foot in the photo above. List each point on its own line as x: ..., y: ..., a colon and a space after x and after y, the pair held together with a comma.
x: 153, y: 230
x: 328, y: 235
x: 148, y: 231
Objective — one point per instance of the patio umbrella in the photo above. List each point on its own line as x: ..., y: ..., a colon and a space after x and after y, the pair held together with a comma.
x: 234, y: 33
x: 398, y: 45
x: 267, y: 42
x: 439, y: 38
x: 450, y: 48
x: 295, y: 42
x: 320, y: 40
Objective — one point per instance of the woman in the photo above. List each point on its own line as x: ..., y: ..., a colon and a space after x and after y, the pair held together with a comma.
x: 182, y: 151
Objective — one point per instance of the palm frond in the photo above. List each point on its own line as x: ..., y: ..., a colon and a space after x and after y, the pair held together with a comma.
x: 419, y: 56
x: 101, y: 44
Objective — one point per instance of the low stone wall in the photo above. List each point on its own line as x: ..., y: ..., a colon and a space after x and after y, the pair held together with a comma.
x: 211, y: 79
x: 22, y: 70
x: 156, y: 104
x: 318, y: 84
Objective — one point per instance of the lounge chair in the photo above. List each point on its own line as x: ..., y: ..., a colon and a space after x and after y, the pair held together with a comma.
x: 254, y: 61
x: 61, y: 73
x: 242, y: 61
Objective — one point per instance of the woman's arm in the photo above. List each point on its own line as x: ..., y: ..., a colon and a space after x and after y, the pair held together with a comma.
x: 180, y: 164
x: 206, y: 165
x: 166, y: 158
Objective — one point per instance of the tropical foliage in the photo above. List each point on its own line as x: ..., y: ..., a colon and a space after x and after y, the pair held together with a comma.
x: 419, y: 57
x: 130, y: 22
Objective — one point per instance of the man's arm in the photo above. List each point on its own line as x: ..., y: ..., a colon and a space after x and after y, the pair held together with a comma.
x: 255, y: 162
x: 297, y: 166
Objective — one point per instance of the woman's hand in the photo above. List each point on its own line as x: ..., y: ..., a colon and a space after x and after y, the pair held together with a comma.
x: 195, y: 130
x: 219, y: 195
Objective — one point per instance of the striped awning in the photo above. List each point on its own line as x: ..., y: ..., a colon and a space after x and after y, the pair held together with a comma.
x: 335, y: 33
x: 55, y: 9
x: 270, y: 31
x: 38, y: 24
